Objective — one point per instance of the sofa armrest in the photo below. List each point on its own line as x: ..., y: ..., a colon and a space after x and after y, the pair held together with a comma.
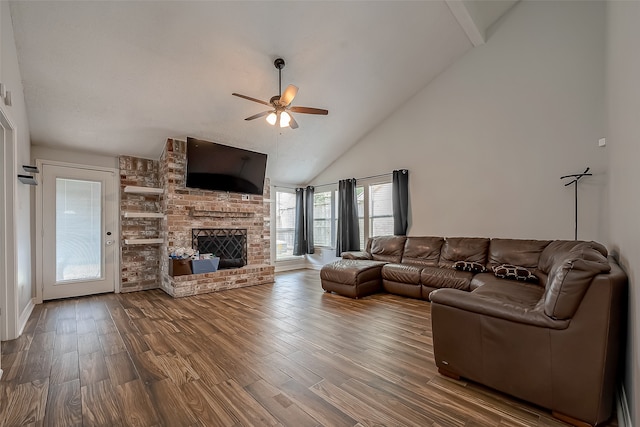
x: 501, y: 309
x: 356, y: 255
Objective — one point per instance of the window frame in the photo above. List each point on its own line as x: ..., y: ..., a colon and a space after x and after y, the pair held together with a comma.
x: 275, y: 199
x: 333, y: 218
x: 361, y: 183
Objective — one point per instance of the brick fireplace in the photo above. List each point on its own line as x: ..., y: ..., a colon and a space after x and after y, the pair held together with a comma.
x: 188, y: 209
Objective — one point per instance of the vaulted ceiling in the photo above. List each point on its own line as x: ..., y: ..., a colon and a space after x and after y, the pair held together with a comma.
x: 120, y: 77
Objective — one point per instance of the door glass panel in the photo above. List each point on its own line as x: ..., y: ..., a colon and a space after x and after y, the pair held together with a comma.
x: 78, y: 230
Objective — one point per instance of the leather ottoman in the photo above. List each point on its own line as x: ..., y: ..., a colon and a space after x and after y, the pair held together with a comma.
x: 352, y: 278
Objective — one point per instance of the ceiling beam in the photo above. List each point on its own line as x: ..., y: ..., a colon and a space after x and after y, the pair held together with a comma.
x: 472, y: 29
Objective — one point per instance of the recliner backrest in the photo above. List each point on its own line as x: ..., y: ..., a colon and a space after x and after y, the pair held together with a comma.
x: 422, y: 251
x: 472, y: 249
x: 558, y: 249
x: 569, y: 278
x: 387, y: 248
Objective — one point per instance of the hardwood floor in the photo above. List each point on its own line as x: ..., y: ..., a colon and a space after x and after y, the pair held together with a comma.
x: 281, y: 354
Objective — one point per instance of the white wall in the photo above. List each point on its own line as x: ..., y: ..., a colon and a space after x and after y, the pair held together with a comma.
x: 69, y: 156
x: 623, y: 144
x: 487, y: 141
x: 10, y: 76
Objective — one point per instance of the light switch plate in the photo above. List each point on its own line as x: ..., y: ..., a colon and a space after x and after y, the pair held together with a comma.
x: 602, y: 142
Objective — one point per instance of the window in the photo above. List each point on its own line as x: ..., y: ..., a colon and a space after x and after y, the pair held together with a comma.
x: 285, y: 220
x: 361, y: 214
x: 325, y: 218
x: 375, y: 213
x: 380, y: 210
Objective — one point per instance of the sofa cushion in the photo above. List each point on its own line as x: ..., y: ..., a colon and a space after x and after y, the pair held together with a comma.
x: 422, y: 250
x: 514, y: 272
x: 569, y: 280
x: 519, y: 303
x: 355, y: 255
x: 436, y: 277
x: 558, y: 249
x: 473, y: 267
x: 387, y: 248
x: 403, y: 273
x: 472, y: 249
x: 525, y: 253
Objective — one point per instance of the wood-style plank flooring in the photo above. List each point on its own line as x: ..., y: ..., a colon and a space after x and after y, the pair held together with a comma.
x: 282, y: 354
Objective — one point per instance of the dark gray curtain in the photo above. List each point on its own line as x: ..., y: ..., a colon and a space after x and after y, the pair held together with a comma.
x: 348, y: 235
x: 303, y: 230
x: 299, y: 243
x: 400, y: 197
x: 308, y: 218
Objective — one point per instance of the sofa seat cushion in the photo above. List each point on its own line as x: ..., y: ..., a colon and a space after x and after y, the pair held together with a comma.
x: 355, y: 255
x: 402, y: 273
x: 512, y: 294
x: 482, y: 279
x: 436, y: 277
x: 351, y: 272
x: 502, y: 299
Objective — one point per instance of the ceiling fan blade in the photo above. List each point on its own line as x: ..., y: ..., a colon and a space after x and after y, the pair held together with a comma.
x: 292, y: 123
x: 257, y: 116
x: 251, y: 99
x: 288, y: 95
x: 309, y: 110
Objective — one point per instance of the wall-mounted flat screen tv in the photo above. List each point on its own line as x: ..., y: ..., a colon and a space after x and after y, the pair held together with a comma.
x: 212, y: 166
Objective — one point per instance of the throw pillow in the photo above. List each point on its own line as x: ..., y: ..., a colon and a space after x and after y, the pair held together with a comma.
x: 474, y: 267
x: 514, y: 272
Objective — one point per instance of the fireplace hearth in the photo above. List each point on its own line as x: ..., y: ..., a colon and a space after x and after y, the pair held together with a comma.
x: 230, y: 244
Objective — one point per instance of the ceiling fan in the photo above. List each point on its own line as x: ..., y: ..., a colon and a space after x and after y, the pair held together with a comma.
x: 282, y: 109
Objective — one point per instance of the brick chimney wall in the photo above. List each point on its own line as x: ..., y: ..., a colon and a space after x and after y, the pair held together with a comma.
x: 147, y: 266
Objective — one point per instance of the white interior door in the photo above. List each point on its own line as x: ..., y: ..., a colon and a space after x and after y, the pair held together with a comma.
x: 79, y: 228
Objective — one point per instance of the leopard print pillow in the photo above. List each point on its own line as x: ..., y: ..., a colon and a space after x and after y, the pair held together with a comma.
x: 474, y: 267
x: 514, y: 272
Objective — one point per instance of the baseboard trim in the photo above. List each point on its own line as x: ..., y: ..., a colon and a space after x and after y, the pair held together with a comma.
x: 622, y: 408
x: 24, y: 316
x: 283, y: 268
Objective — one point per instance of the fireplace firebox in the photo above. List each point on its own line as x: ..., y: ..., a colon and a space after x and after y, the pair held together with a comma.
x: 230, y: 244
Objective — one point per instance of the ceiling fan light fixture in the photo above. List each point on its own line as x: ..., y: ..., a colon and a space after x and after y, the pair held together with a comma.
x: 281, y: 104
x: 285, y: 118
x: 271, y: 118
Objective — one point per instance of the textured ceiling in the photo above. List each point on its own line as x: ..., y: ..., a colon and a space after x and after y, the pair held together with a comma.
x: 120, y: 77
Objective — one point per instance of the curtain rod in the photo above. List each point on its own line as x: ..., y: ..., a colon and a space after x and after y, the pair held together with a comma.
x: 358, y: 179
x: 334, y: 183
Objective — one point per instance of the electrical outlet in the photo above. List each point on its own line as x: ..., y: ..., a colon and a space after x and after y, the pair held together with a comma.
x: 602, y: 142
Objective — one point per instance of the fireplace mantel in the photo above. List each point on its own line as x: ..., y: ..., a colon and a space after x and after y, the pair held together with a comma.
x: 221, y: 213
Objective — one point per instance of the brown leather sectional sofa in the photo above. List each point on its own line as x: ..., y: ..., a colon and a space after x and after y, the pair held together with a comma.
x: 555, y: 342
